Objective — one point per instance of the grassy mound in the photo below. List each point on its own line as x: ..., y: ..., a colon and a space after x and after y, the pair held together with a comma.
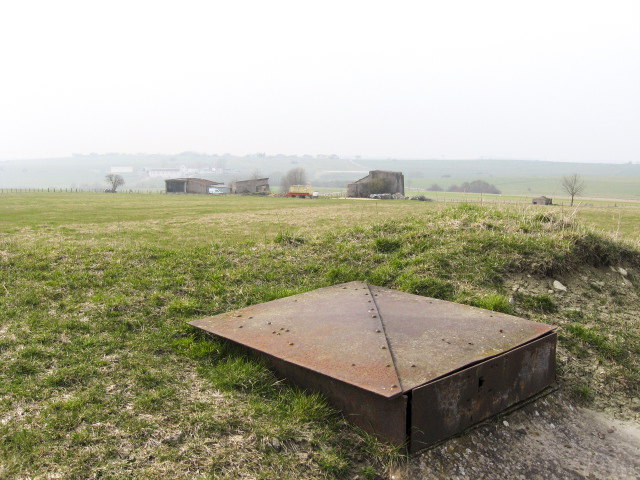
x: 99, y: 375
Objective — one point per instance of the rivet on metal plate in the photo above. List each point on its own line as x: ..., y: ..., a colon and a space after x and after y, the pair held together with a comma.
x: 375, y: 390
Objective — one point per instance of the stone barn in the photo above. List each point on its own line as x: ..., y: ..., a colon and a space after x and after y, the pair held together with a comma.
x: 542, y: 201
x: 255, y: 185
x: 378, y: 181
x: 189, y: 185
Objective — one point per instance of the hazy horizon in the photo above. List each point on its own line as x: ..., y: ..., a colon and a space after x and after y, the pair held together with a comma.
x: 300, y: 156
x: 547, y: 81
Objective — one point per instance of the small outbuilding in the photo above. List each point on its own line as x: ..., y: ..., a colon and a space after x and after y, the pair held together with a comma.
x: 542, y: 200
x: 255, y: 185
x: 189, y: 185
x: 378, y: 181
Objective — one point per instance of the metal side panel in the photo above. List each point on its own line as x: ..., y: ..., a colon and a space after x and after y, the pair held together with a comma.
x: 376, y: 414
x: 447, y: 406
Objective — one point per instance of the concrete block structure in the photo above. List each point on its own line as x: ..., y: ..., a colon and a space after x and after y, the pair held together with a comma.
x: 378, y: 181
x: 255, y: 185
x: 542, y: 201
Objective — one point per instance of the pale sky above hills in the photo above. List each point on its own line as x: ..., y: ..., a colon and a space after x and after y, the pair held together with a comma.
x: 548, y: 80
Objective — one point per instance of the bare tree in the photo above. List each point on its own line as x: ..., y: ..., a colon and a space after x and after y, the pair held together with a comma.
x: 256, y: 174
x: 573, y: 185
x: 295, y: 176
x: 115, y: 181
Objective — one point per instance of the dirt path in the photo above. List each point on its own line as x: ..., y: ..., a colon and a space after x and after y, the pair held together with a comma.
x: 546, y: 439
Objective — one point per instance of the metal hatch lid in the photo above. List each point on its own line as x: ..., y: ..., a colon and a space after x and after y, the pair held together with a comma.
x: 432, y: 338
x: 381, y: 340
x: 335, y: 331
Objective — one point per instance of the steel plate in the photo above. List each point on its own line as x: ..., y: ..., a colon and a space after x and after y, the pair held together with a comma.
x: 391, y: 360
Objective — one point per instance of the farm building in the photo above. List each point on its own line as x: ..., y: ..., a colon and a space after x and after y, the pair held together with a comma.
x: 255, y: 185
x: 378, y: 181
x: 189, y: 185
x: 542, y: 201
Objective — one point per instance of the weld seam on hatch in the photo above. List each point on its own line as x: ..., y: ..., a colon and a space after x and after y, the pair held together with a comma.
x: 386, y: 338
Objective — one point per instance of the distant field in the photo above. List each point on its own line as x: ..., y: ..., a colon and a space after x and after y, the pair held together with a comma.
x: 596, y: 187
x: 164, y: 218
x: 231, y: 218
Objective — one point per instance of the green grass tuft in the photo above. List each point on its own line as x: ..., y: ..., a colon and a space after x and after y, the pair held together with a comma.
x: 386, y: 244
x: 495, y: 302
x: 429, y: 287
x: 539, y: 303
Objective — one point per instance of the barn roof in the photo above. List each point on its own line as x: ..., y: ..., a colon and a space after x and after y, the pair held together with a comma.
x: 376, y: 171
x: 254, y: 180
x: 201, y: 181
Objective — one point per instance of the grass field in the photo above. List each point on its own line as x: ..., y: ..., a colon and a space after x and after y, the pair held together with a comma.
x: 101, y: 377
x: 596, y: 187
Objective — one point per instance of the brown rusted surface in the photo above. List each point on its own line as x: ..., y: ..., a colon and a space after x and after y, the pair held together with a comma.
x: 388, y: 358
x: 430, y: 338
x: 335, y: 331
x: 376, y: 414
x: 447, y: 406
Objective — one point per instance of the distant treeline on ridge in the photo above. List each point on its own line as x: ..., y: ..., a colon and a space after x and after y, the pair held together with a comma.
x: 477, y: 186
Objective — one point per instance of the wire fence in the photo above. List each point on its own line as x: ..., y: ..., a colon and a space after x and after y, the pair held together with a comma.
x: 76, y: 190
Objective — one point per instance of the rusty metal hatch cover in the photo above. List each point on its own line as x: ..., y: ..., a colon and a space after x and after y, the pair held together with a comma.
x: 406, y: 367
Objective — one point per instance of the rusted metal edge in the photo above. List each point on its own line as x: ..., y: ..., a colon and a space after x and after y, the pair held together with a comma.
x: 356, y: 362
x: 444, y: 408
x: 545, y: 392
x: 486, y: 359
x: 384, y: 417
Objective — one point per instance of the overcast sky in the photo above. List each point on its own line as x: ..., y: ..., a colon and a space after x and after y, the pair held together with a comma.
x: 556, y: 80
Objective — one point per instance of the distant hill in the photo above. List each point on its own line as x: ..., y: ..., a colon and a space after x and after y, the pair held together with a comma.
x: 510, y: 176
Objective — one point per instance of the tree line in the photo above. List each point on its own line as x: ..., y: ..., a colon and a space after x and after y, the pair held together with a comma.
x: 476, y: 186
